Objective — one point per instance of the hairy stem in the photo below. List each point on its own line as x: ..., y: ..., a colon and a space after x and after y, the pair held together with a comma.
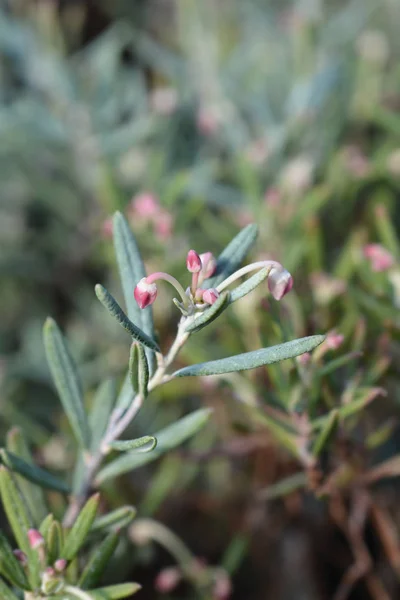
x: 118, y: 424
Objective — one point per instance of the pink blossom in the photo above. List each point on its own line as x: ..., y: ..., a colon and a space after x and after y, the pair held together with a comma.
x: 145, y: 293
x: 280, y: 282
x: 163, y: 225
x: 210, y: 296
x: 208, y: 264
x: 36, y: 540
x: 380, y: 259
x: 144, y: 206
x: 167, y: 579
x: 193, y: 262
x: 334, y: 340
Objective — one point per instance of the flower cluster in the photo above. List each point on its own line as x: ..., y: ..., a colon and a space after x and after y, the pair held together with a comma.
x: 202, y: 266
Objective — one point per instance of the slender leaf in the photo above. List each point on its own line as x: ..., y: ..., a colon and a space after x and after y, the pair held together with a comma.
x: 15, y: 510
x: 132, y: 270
x: 100, y: 412
x: 80, y: 529
x: 10, y: 567
x: 125, y: 395
x: 233, y: 255
x: 98, y: 562
x: 17, y: 515
x: 142, y: 444
x: 326, y: 433
x: 109, y: 302
x: 251, y: 360
x: 167, y: 439
x: 33, y: 494
x: 66, y: 380
x: 54, y: 542
x: 45, y: 525
x: 6, y: 593
x: 116, y: 519
x: 115, y: 592
x: 284, y: 487
x: 249, y: 285
x: 32, y: 472
x: 138, y: 370
x: 210, y: 314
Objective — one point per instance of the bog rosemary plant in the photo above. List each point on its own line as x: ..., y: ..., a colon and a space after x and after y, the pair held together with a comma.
x: 50, y: 558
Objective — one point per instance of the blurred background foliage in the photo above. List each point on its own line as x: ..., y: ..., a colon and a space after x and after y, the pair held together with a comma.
x: 223, y: 113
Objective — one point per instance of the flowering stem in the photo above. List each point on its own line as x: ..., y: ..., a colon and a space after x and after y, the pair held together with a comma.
x: 167, y: 277
x: 262, y: 264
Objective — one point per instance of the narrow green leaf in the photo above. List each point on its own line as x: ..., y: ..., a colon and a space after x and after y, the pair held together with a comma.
x: 78, y: 533
x: 33, y: 494
x: 116, y: 519
x: 109, y: 302
x: 45, y: 525
x: 249, y: 285
x: 283, y: 487
x: 125, y: 395
x: 6, y: 593
x: 142, y: 444
x: 138, y: 369
x: 366, y: 396
x: 54, y: 542
x: 15, y: 510
x: 251, y: 360
x: 210, y: 314
x: 98, y: 562
x: 10, y: 567
x: 167, y: 439
x: 100, y: 412
x: 326, y: 433
x: 115, y: 592
x: 233, y: 255
x: 337, y: 363
x: 33, y: 473
x: 132, y: 270
x: 66, y: 380
x: 17, y: 515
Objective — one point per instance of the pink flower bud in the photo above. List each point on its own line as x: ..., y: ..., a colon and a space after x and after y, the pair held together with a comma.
x: 208, y: 264
x: 21, y: 557
x: 334, y: 340
x: 210, y: 296
x: 193, y: 262
x: 36, y: 540
x: 280, y: 282
x: 145, y: 293
x: 60, y: 565
x: 168, y: 579
x: 380, y: 259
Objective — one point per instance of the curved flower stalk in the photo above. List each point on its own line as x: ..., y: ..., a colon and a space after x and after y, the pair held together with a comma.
x: 203, y: 266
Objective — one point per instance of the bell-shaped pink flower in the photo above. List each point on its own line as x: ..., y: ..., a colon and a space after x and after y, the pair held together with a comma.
x: 210, y: 296
x: 208, y: 264
x: 380, y: 258
x: 193, y: 262
x: 167, y: 579
x: 145, y: 293
x: 280, y: 282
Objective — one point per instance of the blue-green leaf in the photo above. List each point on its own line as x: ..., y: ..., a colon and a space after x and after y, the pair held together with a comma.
x: 251, y: 360
x: 249, y: 285
x: 116, y: 519
x: 167, y: 439
x: 132, y: 270
x: 66, y: 379
x: 233, y: 255
x: 138, y: 370
x: 142, y: 444
x: 210, y: 314
x: 32, y: 472
x: 109, y: 302
x: 79, y: 531
x: 98, y: 561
